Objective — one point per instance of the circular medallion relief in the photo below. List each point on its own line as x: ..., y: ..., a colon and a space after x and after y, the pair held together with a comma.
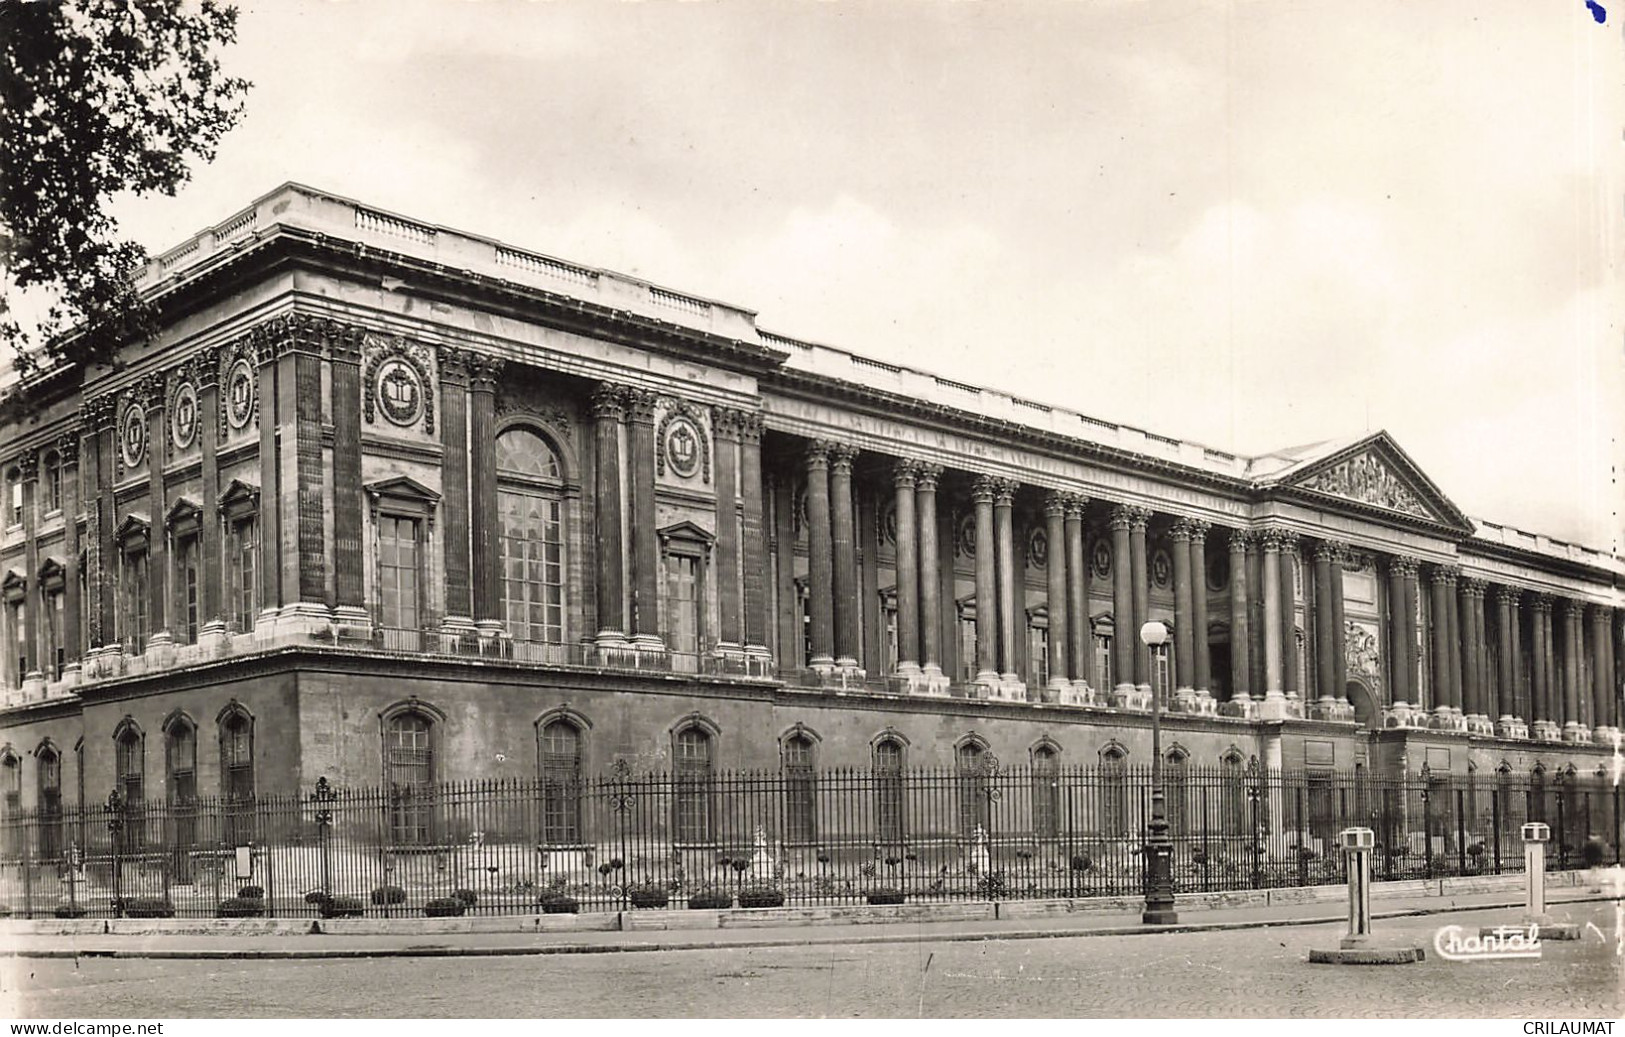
x: 1162, y: 569
x: 966, y: 539
x: 239, y: 394
x: 400, y: 392
x: 1038, y: 549
x: 183, y: 416
x: 683, y: 447
x: 132, y: 435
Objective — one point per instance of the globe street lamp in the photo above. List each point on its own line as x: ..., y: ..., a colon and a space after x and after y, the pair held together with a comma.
x: 1159, y: 891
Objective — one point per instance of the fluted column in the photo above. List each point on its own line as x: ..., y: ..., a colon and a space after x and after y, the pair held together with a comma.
x: 820, y: 557
x: 987, y: 594
x: 930, y: 568
x: 1506, y: 619
x: 1602, y: 651
x: 1479, y: 702
x: 483, y: 374
x: 1398, y: 643
x: 1325, y: 653
x: 1201, y: 662
x: 344, y: 344
x: 607, y: 411
x: 1124, y: 632
x: 1060, y: 676
x: 1138, y: 520
x: 1458, y: 700
x: 904, y: 478
x: 1080, y: 646
x: 454, y: 518
x: 1184, y: 598
x: 1573, y: 718
x: 206, y: 367
x: 1443, y: 583
x: 848, y: 604
x: 758, y: 619
x: 1270, y: 541
x: 150, y: 392
x: 725, y: 426
x: 1409, y: 567
x: 1540, y: 633
x: 1004, y: 529
x: 1240, y: 663
x: 1288, y: 620
x: 73, y: 638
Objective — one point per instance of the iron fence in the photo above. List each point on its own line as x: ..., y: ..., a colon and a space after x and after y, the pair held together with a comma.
x: 697, y: 838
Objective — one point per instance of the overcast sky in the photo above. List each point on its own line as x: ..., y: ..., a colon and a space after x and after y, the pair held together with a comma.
x: 1248, y: 224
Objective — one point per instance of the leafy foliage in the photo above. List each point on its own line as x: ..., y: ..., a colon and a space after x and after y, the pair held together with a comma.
x: 98, y: 98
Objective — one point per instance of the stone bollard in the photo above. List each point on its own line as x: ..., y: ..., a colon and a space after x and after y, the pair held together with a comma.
x: 1359, y: 947
x: 1536, y: 835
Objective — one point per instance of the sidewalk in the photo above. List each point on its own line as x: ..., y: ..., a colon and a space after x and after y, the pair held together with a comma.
x: 287, y: 943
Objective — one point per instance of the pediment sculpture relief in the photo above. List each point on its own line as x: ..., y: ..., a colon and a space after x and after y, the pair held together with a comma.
x: 1366, y: 479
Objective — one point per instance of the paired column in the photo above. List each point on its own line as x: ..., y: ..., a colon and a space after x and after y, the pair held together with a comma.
x: 1055, y: 505
x: 1602, y: 679
x: 725, y: 427
x: 983, y: 491
x: 1202, y: 663
x: 1409, y: 567
x: 1077, y: 591
x: 455, y: 516
x: 820, y: 558
x: 1443, y: 581
x: 1483, y: 702
x: 1124, y: 631
x: 1574, y: 728
x: 1240, y: 637
x: 73, y: 640
x: 607, y: 411
x: 1327, y: 646
x: 646, y: 633
x: 206, y: 367
x: 1399, y: 642
x: 1274, y: 693
x: 349, y: 577
x: 905, y: 476
x: 1288, y: 620
x: 758, y: 618
x: 1139, y: 518
x: 1184, y: 607
x: 848, y: 610
x: 150, y: 394
x: 1004, y: 528
x: 931, y: 576
x: 1545, y: 724
x: 1507, y: 724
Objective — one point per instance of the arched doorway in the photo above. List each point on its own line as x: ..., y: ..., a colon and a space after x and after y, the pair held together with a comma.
x: 1367, y: 711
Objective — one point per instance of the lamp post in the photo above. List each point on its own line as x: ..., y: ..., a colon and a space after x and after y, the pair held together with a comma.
x: 1159, y: 893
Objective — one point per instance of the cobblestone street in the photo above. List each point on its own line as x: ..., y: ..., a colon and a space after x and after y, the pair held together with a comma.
x: 1252, y: 972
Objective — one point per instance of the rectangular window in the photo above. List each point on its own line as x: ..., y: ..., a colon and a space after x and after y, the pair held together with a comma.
x: 187, y: 565
x: 17, y: 621
x: 1162, y: 669
x: 53, y: 486
x: 1103, y: 661
x: 800, y: 793
x: 135, y: 602
x: 888, y: 614
x: 237, y: 762
x: 16, y: 515
x: 57, y: 649
x: 1037, y: 654
x: 398, y: 573
x: 1046, y: 793
x: 50, y: 804
x: 967, y: 643
x: 243, y: 548
x: 682, y: 605
x: 533, y: 566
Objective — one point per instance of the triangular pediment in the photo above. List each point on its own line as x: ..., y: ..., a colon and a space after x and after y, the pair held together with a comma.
x: 403, y: 488
x: 134, y: 526
x: 686, y: 530
x: 1372, y: 474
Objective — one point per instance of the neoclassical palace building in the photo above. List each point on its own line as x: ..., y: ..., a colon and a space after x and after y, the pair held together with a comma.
x: 386, y: 501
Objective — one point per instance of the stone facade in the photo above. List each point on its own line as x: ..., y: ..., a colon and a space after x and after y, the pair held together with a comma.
x: 384, y: 492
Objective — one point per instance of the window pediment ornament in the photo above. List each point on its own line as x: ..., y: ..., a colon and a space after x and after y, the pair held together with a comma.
x: 132, y: 534
x: 241, y: 500
x: 185, y: 517
x: 1366, y: 479
x: 402, y: 496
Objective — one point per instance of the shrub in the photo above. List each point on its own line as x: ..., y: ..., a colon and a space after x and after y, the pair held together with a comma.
x: 1593, y: 851
x: 761, y: 898
x: 467, y: 896
x: 1081, y: 862
x: 710, y: 900
x: 556, y: 903
x: 241, y: 907
x: 992, y: 885
x: 70, y: 911
x: 251, y: 893
x: 648, y: 895
x: 341, y: 907
x: 149, y: 907
x: 385, y: 895
x: 884, y: 896
x: 1199, y: 857
x: 443, y: 907
x: 315, y: 896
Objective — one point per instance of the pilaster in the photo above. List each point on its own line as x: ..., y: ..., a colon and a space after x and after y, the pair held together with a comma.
x: 758, y: 619
x: 725, y: 426
x: 455, y: 520
x: 646, y: 632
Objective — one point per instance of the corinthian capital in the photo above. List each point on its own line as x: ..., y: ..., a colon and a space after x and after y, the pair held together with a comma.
x: 984, y: 489
x: 1239, y: 539
x: 1180, y: 531
x: 1004, y: 492
x: 1055, y: 503
x: 926, y: 476
x: 817, y: 455
x: 905, y: 473
x: 607, y: 401
x: 841, y: 456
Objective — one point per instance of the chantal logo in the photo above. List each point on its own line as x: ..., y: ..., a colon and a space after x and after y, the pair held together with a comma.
x: 1507, y: 941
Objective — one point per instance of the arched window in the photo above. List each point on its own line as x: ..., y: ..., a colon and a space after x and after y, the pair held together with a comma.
x: 49, y: 764
x: 237, y: 776
x: 1114, y: 793
x: 409, y: 773
x: 1233, y: 794
x: 694, y: 768
x: 130, y: 764
x: 889, y: 826
x: 1046, y: 792
x: 974, y: 785
x: 1176, y: 791
x: 800, y: 790
x: 180, y: 763
x: 11, y: 781
x: 530, y: 505
x: 560, y: 760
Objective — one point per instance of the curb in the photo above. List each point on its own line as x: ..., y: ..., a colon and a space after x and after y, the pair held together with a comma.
x: 446, y: 951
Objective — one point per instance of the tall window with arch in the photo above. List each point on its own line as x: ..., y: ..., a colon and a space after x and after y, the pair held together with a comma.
x: 180, y: 761
x: 237, y: 776
x: 135, y: 596
x: 1046, y: 792
x: 49, y: 764
x: 800, y: 790
x: 51, y: 482
x: 694, y: 747
x: 1176, y: 791
x: 974, y: 786
x: 530, y: 504
x: 409, y: 774
x: 1114, y: 816
x: 889, y: 817
x: 1233, y: 795
x: 560, y: 761
x: 11, y: 780
x: 130, y: 763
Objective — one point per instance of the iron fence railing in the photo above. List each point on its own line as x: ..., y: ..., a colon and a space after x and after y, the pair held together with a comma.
x: 809, y: 837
